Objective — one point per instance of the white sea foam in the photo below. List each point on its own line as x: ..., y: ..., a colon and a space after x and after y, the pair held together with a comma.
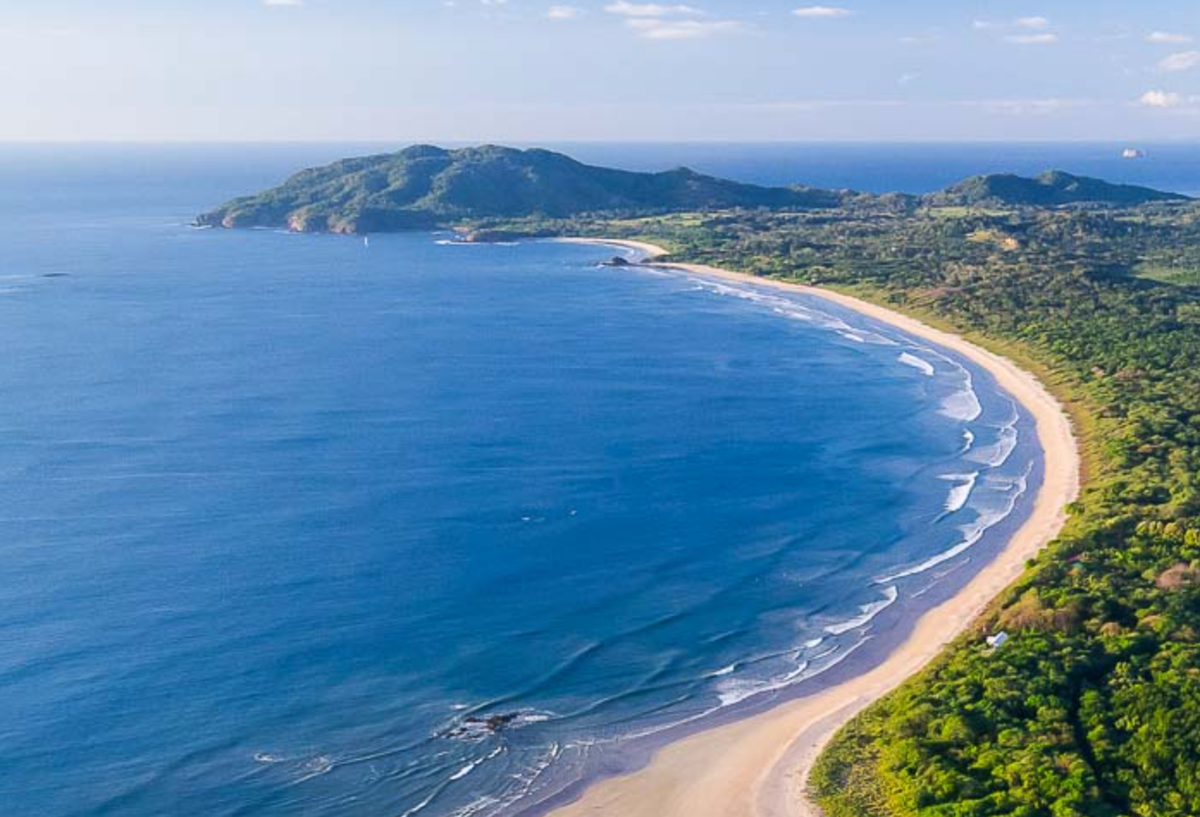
x: 924, y: 366
x: 1013, y: 487
x: 729, y: 670
x: 737, y: 690
x: 963, y: 405
x: 961, y: 492
x: 526, y: 781
x: 968, y: 440
x: 478, y: 805
x: 531, y: 716
x: 474, y: 764
x: 465, y: 770
x: 419, y: 807
x: 867, y: 612
x: 793, y: 309
x: 317, y: 766
x: 996, y: 454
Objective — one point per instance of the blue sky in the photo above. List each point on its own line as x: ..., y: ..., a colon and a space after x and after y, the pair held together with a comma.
x: 554, y: 70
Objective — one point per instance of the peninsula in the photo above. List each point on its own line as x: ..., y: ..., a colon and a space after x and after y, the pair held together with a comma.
x: 425, y: 187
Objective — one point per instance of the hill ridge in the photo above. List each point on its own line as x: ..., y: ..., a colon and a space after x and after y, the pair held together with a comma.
x: 425, y: 186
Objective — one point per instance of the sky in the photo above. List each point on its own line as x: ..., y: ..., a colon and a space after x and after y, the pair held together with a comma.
x: 567, y: 70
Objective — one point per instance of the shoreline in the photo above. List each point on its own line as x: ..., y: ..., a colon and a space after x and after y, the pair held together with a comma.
x: 758, y: 766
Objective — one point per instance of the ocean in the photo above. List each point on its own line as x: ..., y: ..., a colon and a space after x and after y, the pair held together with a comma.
x: 294, y: 525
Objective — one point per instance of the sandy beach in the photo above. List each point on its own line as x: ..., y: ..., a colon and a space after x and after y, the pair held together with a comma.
x: 757, y: 767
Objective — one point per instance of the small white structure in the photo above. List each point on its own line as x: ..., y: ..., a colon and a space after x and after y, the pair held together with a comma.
x: 998, y: 640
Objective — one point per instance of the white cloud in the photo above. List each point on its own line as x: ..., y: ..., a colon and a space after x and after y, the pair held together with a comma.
x: 1161, y: 99
x: 1032, y: 39
x: 564, y: 12
x: 1031, y: 22
x: 1167, y: 37
x: 822, y: 12
x: 651, y: 10
x: 653, y: 21
x: 1183, y: 61
x: 652, y: 28
x: 1026, y: 107
x: 283, y: 2
x: 1022, y: 31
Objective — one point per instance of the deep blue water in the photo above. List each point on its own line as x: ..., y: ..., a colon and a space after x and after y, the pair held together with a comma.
x: 284, y: 516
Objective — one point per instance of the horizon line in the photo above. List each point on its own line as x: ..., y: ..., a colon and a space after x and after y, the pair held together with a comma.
x: 531, y: 142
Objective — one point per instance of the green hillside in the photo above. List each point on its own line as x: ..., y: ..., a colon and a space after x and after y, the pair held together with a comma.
x: 1051, y: 189
x: 425, y: 186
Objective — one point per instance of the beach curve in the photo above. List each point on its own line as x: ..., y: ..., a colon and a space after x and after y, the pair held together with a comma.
x: 757, y: 767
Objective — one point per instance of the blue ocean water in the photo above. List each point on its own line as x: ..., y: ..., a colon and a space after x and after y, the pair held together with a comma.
x: 296, y: 525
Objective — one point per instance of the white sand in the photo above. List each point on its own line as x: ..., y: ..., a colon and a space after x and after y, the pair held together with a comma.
x: 758, y: 766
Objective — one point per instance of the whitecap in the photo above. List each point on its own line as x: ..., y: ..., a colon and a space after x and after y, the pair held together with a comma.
x: 972, y: 532
x: 792, y: 309
x: 924, y: 366
x: 474, y: 764
x: 963, y: 405
x: 997, y: 453
x: 736, y: 690
x: 867, y: 612
x: 728, y: 670
x: 961, y: 492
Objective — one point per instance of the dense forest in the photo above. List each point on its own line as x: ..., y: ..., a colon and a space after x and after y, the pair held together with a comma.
x: 1092, y: 708
x: 424, y: 187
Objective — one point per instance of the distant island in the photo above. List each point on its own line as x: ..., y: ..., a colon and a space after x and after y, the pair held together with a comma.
x: 1051, y: 189
x: 426, y: 187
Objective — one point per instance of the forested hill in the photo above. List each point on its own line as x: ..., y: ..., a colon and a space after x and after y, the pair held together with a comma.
x: 1051, y: 189
x: 425, y: 186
